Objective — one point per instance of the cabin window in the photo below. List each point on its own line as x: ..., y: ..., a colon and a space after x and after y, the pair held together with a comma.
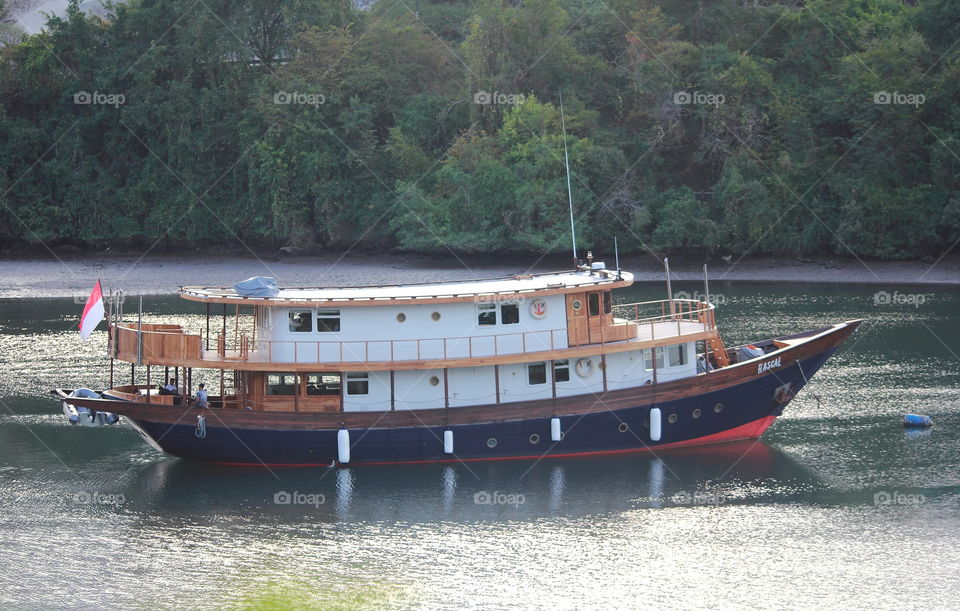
x: 323, y: 384
x: 536, y: 373
x: 282, y: 384
x: 677, y: 355
x: 607, y: 302
x: 301, y: 321
x: 486, y: 314
x: 328, y: 321
x: 561, y: 371
x: 358, y: 384
x: 509, y: 314
x: 593, y: 304
x: 648, y: 358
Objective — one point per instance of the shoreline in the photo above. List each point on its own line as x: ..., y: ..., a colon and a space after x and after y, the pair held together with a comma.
x: 160, y: 275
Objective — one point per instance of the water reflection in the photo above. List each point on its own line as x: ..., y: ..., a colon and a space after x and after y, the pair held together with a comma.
x: 744, y: 472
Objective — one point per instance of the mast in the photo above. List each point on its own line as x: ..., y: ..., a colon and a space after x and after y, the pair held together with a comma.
x: 566, y: 159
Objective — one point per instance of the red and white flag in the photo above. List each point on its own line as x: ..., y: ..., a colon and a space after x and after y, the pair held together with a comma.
x: 92, y: 312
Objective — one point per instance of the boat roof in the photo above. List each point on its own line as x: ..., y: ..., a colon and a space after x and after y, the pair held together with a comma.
x: 458, y: 290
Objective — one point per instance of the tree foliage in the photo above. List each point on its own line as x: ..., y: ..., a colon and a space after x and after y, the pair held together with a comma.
x: 743, y: 127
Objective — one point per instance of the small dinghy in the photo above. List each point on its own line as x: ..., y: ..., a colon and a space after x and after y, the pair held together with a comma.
x: 85, y: 416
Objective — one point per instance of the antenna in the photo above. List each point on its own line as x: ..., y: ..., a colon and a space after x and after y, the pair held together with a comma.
x: 706, y: 285
x: 616, y: 254
x: 666, y: 269
x: 566, y: 159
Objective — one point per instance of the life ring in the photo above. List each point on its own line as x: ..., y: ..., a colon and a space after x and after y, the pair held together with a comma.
x: 584, y: 367
x: 538, y: 308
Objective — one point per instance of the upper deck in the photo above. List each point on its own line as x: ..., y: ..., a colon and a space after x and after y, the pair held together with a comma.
x: 526, y: 285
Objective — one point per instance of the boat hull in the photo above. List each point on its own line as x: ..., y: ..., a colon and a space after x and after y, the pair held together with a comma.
x: 733, y: 404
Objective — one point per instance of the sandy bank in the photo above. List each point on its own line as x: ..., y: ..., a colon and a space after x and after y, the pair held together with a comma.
x: 160, y: 275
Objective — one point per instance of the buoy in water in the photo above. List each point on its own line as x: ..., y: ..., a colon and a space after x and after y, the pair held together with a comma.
x: 916, y: 420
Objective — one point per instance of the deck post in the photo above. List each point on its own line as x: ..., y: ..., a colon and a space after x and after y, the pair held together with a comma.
x: 208, y: 327
x: 148, y: 384
x: 222, y: 388
x: 496, y: 382
x: 393, y: 387
x: 132, y: 371
x: 603, y: 369
x: 446, y: 390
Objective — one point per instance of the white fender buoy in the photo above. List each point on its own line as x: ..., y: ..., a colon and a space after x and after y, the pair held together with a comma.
x: 655, y: 424
x: 343, y: 446
x: 448, y: 442
x: 555, y: 433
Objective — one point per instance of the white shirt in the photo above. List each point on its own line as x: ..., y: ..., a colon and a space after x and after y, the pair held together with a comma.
x: 170, y: 387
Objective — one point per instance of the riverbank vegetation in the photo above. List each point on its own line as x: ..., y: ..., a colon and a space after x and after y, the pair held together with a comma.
x: 762, y: 127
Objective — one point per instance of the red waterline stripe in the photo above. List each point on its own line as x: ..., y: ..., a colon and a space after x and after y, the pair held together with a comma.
x: 751, y: 430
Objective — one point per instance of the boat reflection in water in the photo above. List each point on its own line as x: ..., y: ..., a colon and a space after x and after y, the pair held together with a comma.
x: 734, y: 473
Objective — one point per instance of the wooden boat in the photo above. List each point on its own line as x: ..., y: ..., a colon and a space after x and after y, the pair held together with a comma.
x: 519, y: 367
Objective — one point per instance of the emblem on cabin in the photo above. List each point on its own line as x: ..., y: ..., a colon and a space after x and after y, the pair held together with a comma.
x: 585, y: 367
x: 538, y: 308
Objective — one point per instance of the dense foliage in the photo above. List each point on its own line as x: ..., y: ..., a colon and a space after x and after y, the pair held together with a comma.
x: 737, y: 126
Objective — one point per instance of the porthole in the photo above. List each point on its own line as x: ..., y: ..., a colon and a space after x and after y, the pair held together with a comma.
x: 401, y: 317
x: 576, y: 304
x: 672, y: 418
x: 623, y: 428
x: 646, y: 423
x: 534, y: 439
x: 435, y: 316
x: 434, y: 380
x: 491, y: 443
x: 696, y: 413
x: 718, y: 407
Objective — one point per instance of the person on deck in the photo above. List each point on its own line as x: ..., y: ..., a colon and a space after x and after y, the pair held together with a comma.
x: 170, y: 388
x: 201, y: 398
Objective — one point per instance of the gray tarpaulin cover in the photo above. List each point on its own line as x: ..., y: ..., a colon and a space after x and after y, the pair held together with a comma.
x: 258, y: 286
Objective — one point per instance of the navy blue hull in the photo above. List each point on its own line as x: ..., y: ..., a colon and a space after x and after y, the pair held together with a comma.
x: 739, y: 411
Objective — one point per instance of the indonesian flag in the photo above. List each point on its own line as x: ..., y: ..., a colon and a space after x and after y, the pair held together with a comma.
x: 92, y: 312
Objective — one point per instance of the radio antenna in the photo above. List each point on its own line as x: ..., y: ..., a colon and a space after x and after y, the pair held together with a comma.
x: 616, y: 254
x: 566, y: 159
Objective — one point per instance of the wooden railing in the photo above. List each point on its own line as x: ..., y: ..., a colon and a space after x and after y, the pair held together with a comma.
x: 154, y: 344
x: 671, y: 311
